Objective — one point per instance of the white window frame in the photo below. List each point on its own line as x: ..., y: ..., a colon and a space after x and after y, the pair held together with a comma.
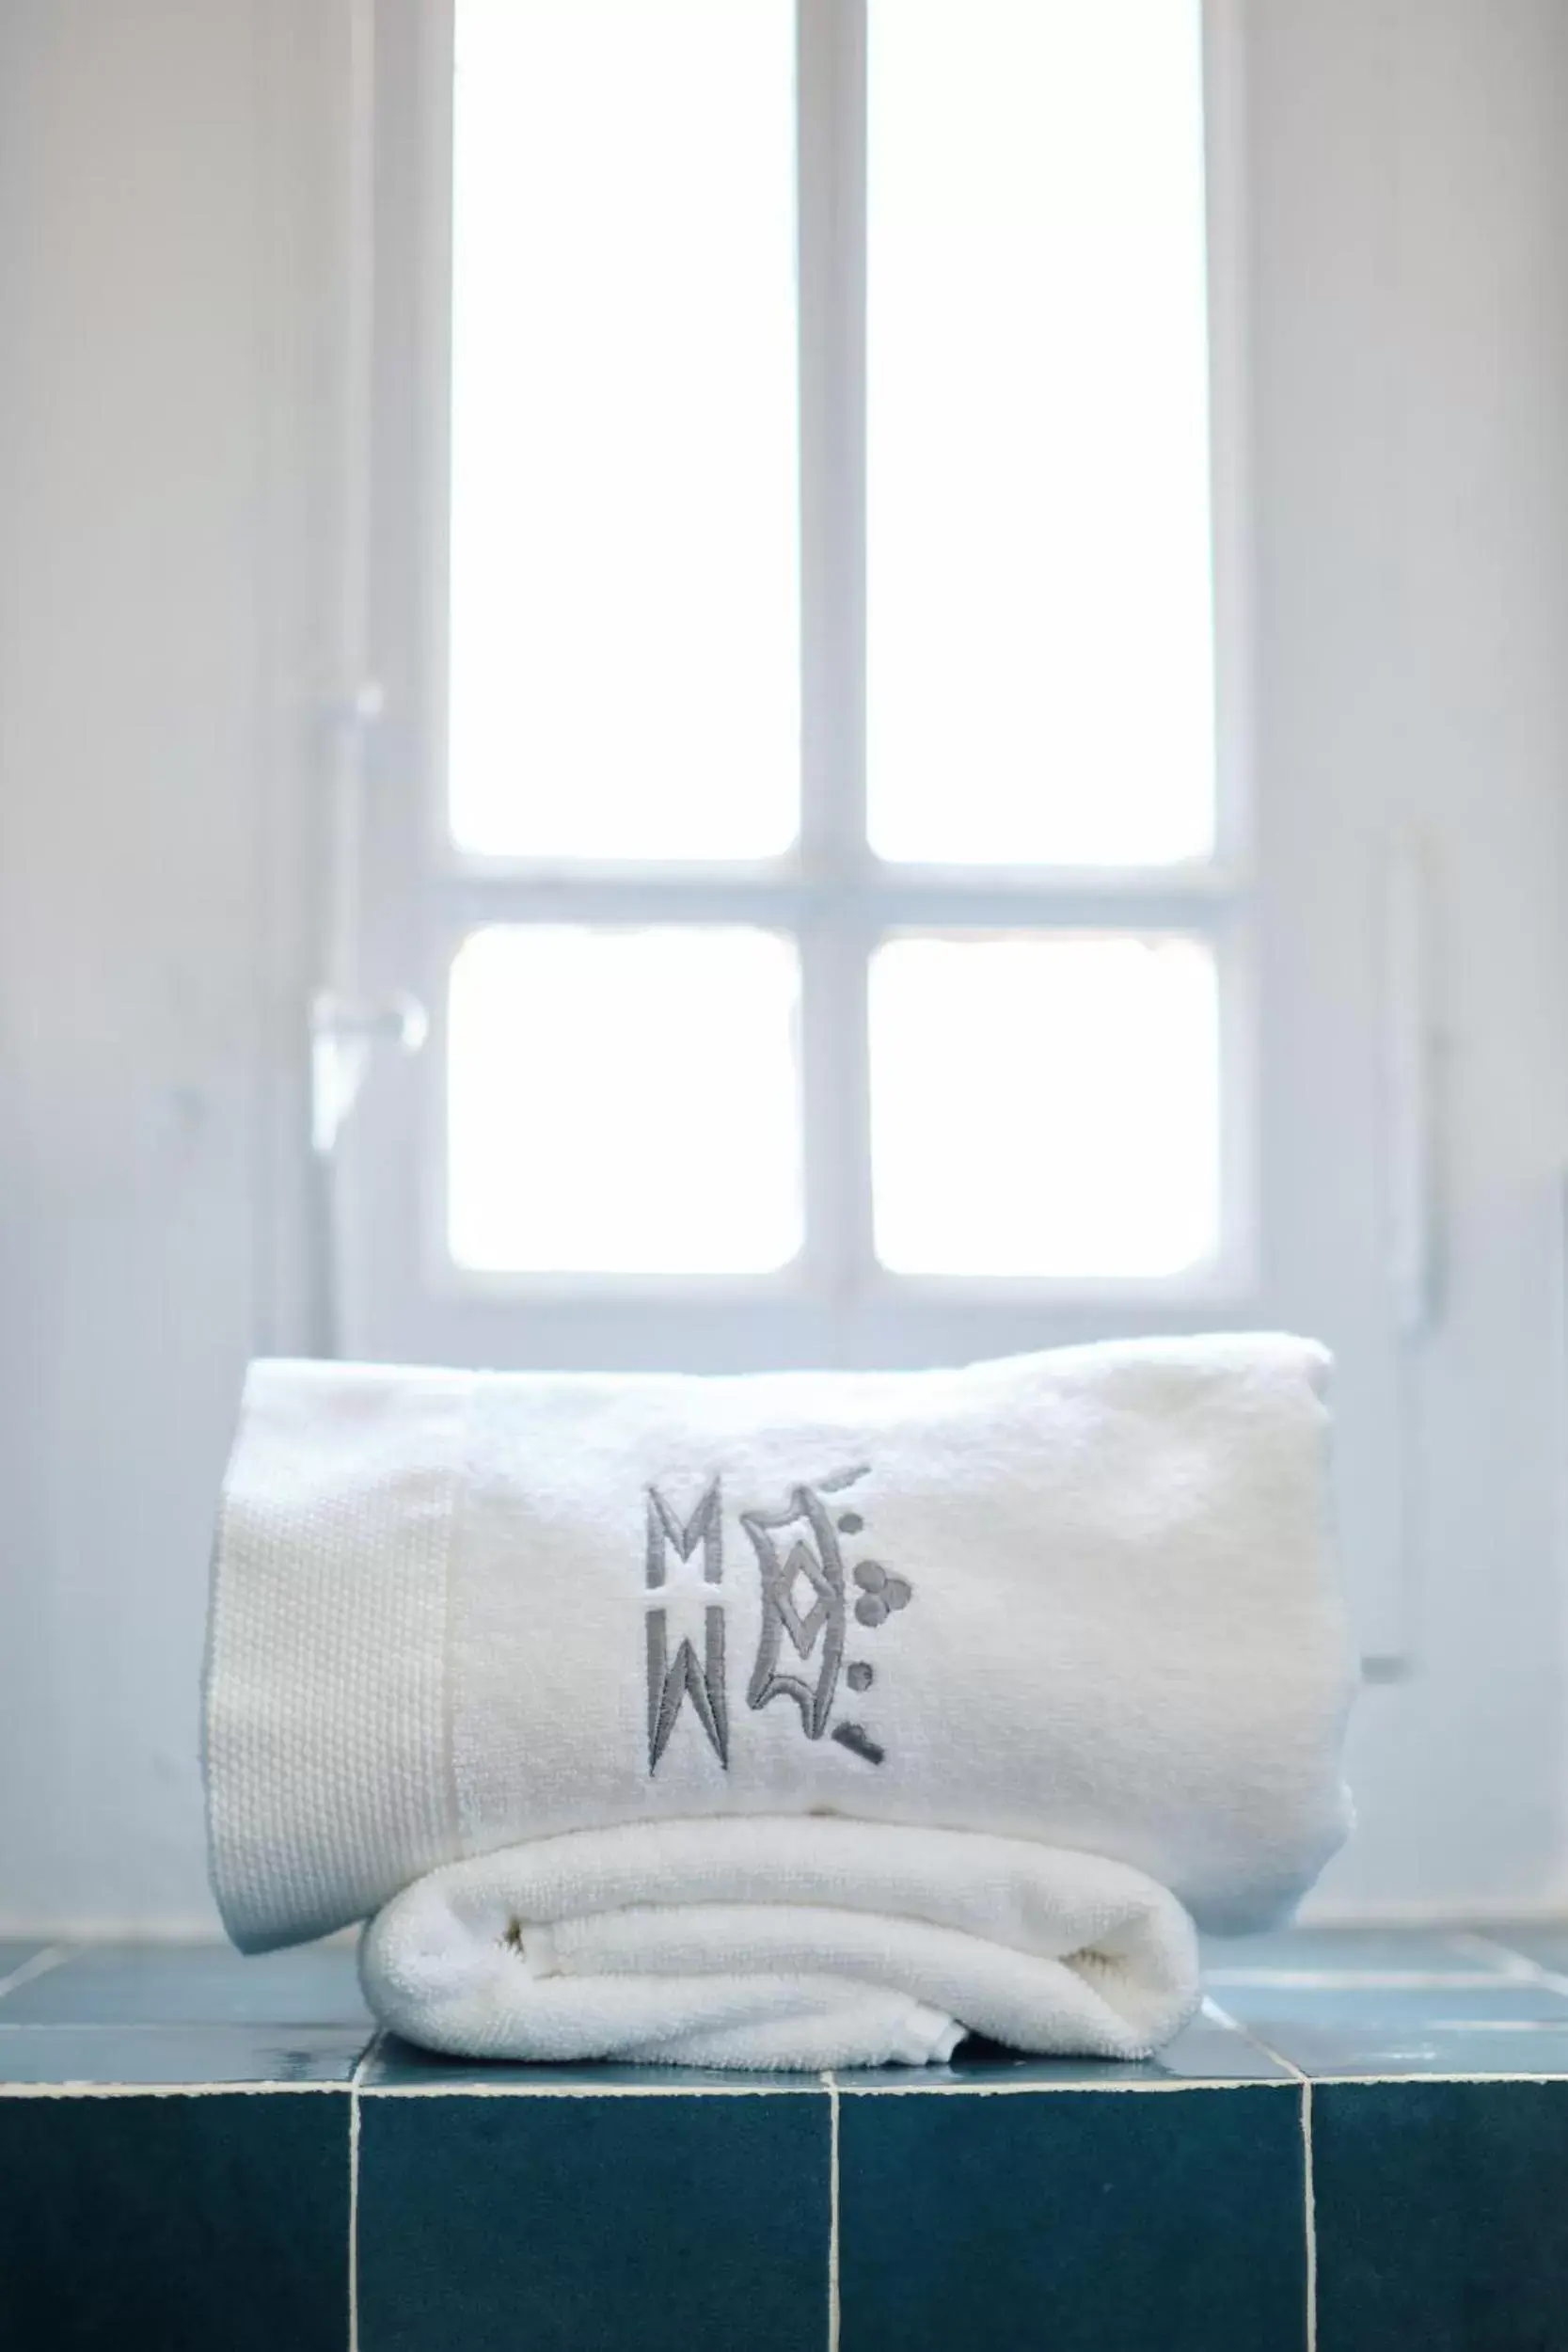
x: 1388, y: 595
x: 421, y: 895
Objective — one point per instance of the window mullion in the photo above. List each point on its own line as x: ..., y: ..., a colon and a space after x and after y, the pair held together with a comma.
x: 832, y: 213
x: 831, y: 248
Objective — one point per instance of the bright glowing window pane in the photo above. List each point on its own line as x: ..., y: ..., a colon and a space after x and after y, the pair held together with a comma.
x: 624, y: 573
x: 1040, y: 663
x: 1044, y: 1107
x: 623, y: 1101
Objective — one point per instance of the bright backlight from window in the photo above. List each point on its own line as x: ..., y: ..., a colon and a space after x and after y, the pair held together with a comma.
x: 1040, y: 659
x: 624, y: 575
x: 634, y: 308
x: 1044, y: 1107
x: 623, y: 1101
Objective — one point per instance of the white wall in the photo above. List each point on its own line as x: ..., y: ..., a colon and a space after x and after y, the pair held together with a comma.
x: 1410, y: 296
x: 168, y: 374
x: 151, y: 735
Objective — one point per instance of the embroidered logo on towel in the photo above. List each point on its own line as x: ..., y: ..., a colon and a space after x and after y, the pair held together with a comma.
x: 806, y: 1603
x: 670, y: 1681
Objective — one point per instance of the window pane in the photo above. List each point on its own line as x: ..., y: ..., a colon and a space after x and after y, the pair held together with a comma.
x: 623, y: 1101
x: 1040, y: 661
x: 1044, y: 1107
x: 624, y: 579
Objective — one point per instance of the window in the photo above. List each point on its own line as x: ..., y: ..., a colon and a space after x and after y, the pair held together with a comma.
x: 827, y: 878
x: 1014, y: 942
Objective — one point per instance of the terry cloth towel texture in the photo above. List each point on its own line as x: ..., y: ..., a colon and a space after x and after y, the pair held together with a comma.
x: 780, y: 1943
x: 788, y: 1719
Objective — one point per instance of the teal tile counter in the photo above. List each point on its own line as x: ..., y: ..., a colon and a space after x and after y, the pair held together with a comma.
x: 194, y: 1985
x: 1361, y: 2145
x: 1073, y: 2219
x: 174, y: 2224
x: 666, y: 2220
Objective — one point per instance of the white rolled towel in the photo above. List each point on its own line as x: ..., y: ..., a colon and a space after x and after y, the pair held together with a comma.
x: 1012, y: 1650
x: 771, y: 1941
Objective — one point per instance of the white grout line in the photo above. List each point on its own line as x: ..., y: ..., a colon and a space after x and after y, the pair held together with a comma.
x: 849, y: 2090
x: 1371, y: 1980
x: 1223, y: 2016
x: 39, y: 1965
x: 766, y: 2086
x: 164, y: 2090
x: 353, y: 2220
x: 1422, y: 2074
x: 1522, y: 1969
x: 689, y: 2090
x: 1212, y: 2008
x: 1514, y: 1965
x: 833, y: 2212
x: 1095, y: 2087
x: 354, y: 2082
x: 1311, y: 2185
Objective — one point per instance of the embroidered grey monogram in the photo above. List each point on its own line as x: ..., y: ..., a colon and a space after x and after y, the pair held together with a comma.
x: 858, y: 1741
x: 671, y: 1680
x: 880, y: 1594
x: 806, y: 1603
x: 812, y: 1565
x: 705, y: 1527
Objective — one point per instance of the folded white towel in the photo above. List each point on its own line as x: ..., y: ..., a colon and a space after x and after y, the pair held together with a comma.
x: 1080, y: 1599
x: 778, y: 1943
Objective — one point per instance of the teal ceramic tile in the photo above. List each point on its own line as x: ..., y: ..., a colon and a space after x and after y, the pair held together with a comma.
x: 397, y: 2065
x: 587, y: 2224
x: 200, y: 1984
x: 1441, y: 2220
x: 1082, y: 2224
x: 1203, y: 2052
x: 177, y: 2054
x: 1501, y: 2027
x: 1353, y: 2008
x: 1341, y: 1951
x: 1388, y: 2049
x: 174, y: 2224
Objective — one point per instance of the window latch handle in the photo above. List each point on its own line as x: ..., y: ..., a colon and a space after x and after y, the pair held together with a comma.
x: 344, y: 1031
